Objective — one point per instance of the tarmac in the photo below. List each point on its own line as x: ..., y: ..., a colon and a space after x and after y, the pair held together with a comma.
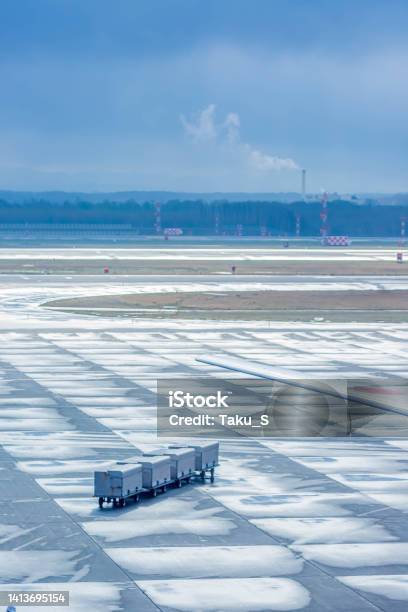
x: 289, y: 524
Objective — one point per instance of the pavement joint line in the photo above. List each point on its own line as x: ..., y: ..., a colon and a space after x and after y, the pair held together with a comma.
x: 306, y: 561
x: 69, y: 517
x: 242, y: 518
x: 78, y: 524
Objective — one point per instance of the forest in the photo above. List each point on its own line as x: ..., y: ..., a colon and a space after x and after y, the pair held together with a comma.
x: 249, y: 218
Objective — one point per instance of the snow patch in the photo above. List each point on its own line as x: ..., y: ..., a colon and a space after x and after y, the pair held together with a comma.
x: 245, y: 594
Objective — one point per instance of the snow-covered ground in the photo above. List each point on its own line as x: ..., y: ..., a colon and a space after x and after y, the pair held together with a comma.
x: 309, y: 524
x: 203, y: 253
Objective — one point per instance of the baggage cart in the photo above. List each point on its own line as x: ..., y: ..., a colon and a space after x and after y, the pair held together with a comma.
x: 118, y: 483
x: 182, y: 463
x: 155, y: 472
x: 151, y: 472
x: 206, y: 457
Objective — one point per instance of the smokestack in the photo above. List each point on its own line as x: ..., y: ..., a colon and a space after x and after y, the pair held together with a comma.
x: 304, y: 184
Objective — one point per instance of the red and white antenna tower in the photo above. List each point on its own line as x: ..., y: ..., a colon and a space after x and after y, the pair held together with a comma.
x: 403, y: 221
x: 323, y: 216
x: 157, y: 217
x: 298, y: 224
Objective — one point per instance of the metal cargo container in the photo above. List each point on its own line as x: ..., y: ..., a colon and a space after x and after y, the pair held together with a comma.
x: 119, y: 481
x: 155, y: 470
x: 182, y: 461
x: 206, y: 455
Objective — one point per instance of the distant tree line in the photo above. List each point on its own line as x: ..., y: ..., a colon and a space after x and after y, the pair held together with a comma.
x: 200, y: 217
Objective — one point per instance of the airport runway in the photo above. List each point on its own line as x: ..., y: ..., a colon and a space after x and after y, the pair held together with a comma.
x: 298, y: 282
x: 315, y: 525
x: 174, y: 251
x: 21, y: 296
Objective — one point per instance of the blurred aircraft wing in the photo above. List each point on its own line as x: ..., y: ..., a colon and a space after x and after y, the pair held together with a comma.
x: 253, y: 368
x: 390, y: 395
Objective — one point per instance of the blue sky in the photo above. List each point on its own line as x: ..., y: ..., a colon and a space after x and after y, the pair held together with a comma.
x: 204, y: 95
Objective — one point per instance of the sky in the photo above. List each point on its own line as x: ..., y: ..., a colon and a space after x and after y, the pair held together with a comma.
x: 204, y: 95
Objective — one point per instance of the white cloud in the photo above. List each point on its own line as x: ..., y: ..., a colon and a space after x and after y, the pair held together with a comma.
x: 262, y: 161
x: 205, y: 129
x: 232, y: 124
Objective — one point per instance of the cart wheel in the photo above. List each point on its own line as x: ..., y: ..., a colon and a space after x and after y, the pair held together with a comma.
x: 122, y: 503
x: 212, y: 474
x: 100, y: 501
x: 154, y: 492
x: 179, y: 483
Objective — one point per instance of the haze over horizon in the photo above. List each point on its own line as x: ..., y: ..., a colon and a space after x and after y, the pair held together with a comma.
x: 227, y: 96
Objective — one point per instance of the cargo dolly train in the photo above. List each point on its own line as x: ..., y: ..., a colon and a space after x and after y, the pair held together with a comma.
x: 151, y: 472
